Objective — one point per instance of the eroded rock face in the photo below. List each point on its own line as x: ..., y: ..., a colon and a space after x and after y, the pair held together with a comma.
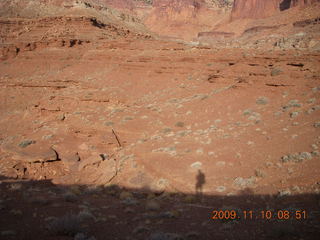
x: 254, y: 8
x: 294, y: 3
x: 261, y: 8
x: 182, y: 19
x: 120, y: 4
x: 176, y: 9
x: 177, y: 4
x: 165, y: 15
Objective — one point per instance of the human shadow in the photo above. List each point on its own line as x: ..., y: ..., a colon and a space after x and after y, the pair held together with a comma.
x: 200, y: 181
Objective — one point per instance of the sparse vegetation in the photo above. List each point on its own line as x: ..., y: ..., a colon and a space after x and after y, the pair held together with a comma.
x: 68, y: 225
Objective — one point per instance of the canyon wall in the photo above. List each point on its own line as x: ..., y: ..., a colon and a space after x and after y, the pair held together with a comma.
x: 254, y: 8
x: 183, y: 18
x: 262, y: 8
x: 295, y: 3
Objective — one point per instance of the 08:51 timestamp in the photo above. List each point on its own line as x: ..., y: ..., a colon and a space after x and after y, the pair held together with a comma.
x: 263, y: 214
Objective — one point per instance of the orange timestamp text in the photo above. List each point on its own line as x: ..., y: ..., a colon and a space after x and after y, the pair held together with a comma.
x: 261, y: 214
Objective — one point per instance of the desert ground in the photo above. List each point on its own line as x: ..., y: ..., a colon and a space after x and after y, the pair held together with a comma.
x: 159, y: 120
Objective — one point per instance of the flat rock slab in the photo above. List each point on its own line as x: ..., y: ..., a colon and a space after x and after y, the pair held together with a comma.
x: 35, y: 152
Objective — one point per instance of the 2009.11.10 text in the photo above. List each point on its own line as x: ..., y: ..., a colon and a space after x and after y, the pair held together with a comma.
x: 261, y: 214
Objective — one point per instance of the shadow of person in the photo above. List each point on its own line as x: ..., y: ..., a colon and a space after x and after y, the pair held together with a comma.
x: 201, y: 180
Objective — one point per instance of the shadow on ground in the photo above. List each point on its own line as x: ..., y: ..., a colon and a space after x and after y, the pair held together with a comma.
x: 42, y: 210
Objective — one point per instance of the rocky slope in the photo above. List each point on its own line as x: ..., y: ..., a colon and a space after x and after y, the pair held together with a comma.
x: 110, y: 131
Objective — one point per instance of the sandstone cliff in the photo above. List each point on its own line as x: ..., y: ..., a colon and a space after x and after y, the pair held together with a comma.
x: 183, y: 18
x: 254, y: 8
x: 261, y: 8
x: 294, y: 3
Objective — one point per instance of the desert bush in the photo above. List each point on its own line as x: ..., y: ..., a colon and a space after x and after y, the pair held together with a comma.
x: 68, y: 225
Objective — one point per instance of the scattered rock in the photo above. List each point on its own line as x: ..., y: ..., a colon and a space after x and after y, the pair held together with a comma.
x: 282, y: 230
x: 294, y: 103
x: 109, y: 123
x: 196, y: 165
x: 247, y: 112
x: 294, y: 114
x: 125, y: 195
x: 16, y: 212
x: 250, y: 143
x: 75, y: 189
x: 259, y: 173
x: 165, y: 236
x: 220, y: 163
x: 296, y: 189
x: 8, y: 233
x: 129, y: 210
x: 179, y: 124
x: 315, y: 89
x: 85, y: 215
x: 296, y: 157
x: 128, y: 118
x: 26, y: 143
x: 244, y: 182
x: 169, y: 150
x: 152, y: 205
x: 284, y: 193
x: 306, y: 155
x: 316, y: 124
x: 189, y: 199
x: 193, y: 235
x: 15, y: 186
x: 262, y: 101
x: 166, y: 130
x: 61, y: 117
x: 254, y: 116
x: 2, y: 206
x: 70, y: 197
x: 170, y: 214
x: 276, y: 72
x: 80, y: 236
x: 221, y: 189
x: 39, y: 200
x: 311, y: 100
x: 199, y: 151
x: 140, y: 229
x: 68, y: 225
x: 314, y: 44
x: 314, y: 108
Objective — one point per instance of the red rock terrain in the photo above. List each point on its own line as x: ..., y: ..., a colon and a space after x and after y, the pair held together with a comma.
x: 110, y: 129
